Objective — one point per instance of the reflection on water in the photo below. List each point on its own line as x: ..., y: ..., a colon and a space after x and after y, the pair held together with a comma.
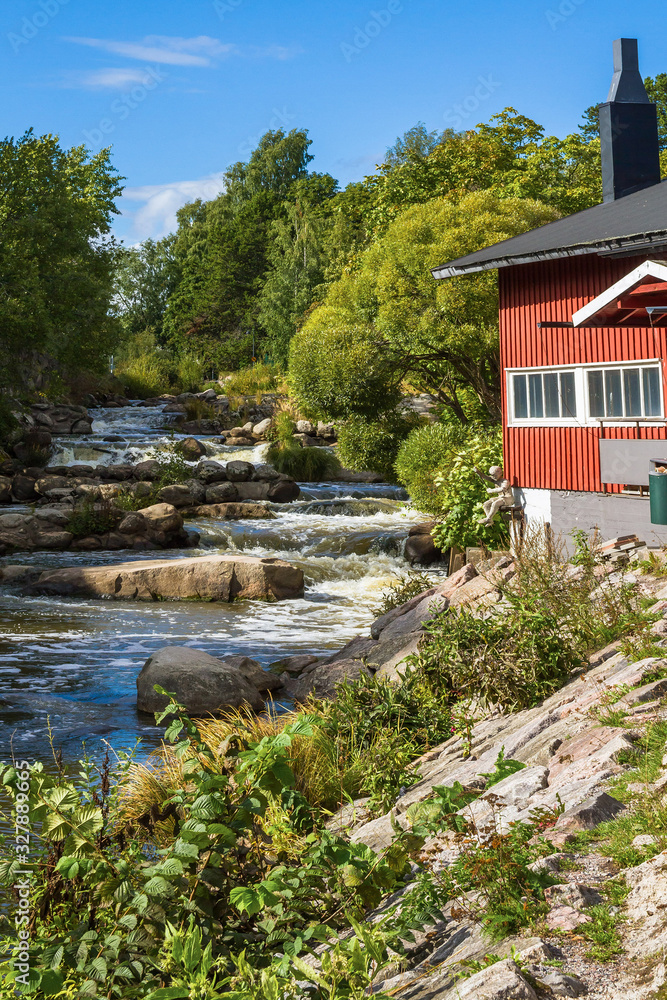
x: 75, y: 661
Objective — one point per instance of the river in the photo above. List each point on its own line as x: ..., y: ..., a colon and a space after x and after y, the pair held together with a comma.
x: 71, y: 664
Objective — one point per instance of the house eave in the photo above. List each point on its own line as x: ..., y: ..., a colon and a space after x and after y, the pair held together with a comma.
x: 607, y: 248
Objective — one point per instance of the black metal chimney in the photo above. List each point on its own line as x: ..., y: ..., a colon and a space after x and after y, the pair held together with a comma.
x: 628, y: 128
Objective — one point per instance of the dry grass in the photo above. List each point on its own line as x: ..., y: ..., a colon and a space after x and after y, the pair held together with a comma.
x: 325, y: 771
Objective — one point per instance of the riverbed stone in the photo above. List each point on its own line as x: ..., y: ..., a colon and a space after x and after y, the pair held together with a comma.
x: 209, y: 472
x: 239, y: 472
x: 204, y: 684
x: 191, y: 449
x: 23, y: 488
x: 255, y: 674
x: 221, y: 493
x: 324, y: 679
x: 284, y: 491
x: 146, y: 471
x: 234, y: 511
x: 133, y: 523
x: 162, y: 517
x: 204, y: 578
x: 178, y: 495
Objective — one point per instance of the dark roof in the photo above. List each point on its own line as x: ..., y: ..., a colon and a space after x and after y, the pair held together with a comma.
x: 636, y: 222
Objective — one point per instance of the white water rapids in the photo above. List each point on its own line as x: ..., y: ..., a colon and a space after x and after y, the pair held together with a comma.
x: 75, y: 661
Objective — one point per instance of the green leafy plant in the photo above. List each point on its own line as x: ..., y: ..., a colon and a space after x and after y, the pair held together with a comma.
x: 257, y: 378
x: 373, y: 445
x: 460, y: 493
x: 502, y: 768
x: 403, y: 590
x: 511, y: 658
x: 304, y: 464
x: 198, y: 409
x: 93, y: 517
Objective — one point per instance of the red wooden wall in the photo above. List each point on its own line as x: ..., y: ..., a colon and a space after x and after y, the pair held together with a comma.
x: 565, y: 458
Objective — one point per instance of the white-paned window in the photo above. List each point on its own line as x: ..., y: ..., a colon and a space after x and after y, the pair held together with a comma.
x: 585, y: 394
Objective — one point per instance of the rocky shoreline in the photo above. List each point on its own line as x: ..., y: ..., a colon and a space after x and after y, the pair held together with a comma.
x: 568, y: 756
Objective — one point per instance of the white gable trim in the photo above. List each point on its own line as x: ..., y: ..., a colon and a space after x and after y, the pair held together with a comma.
x: 649, y: 269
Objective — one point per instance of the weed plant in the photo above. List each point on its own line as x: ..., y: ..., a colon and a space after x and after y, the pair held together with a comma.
x: 199, y: 409
x: 306, y: 465
x: 93, y: 517
x: 258, y: 378
x: 402, y: 591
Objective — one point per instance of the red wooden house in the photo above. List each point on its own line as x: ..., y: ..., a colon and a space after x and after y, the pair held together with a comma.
x: 583, y: 334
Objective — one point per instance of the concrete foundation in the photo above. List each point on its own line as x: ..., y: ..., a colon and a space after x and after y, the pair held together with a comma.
x: 612, y: 514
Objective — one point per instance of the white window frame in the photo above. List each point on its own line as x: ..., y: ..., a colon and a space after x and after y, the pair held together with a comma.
x: 584, y: 417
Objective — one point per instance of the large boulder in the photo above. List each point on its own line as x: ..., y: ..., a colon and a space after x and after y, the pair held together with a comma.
x: 221, y: 493
x: 205, y: 578
x: 178, y: 495
x: 5, y: 490
x: 210, y: 472
x: 239, y: 472
x: 284, y: 491
x: 191, y: 449
x: 146, y: 471
x: 204, y: 684
x: 325, y: 678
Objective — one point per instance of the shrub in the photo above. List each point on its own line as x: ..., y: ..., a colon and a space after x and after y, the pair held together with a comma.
x: 146, y: 376
x: 513, y: 658
x: 337, y: 367
x: 372, y: 445
x: 258, y: 378
x: 307, y: 465
x: 402, y: 591
x: 199, y: 409
x: 592, y: 612
x: 109, y: 910
x: 189, y: 373
x: 93, y: 517
x: 460, y: 492
x: 424, y: 453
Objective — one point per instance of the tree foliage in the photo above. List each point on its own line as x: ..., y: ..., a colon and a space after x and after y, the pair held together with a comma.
x: 389, y: 320
x: 56, y: 257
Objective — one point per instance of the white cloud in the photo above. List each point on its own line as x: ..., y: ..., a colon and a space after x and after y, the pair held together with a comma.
x: 174, y: 51
x: 114, y: 79
x: 156, y: 204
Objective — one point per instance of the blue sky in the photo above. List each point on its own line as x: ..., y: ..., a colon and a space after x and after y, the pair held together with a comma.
x: 182, y: 88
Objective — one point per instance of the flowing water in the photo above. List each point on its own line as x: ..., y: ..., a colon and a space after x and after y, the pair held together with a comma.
x: 71, y: 664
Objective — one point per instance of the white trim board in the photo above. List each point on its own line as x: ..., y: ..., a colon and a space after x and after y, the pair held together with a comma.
x: 649, y: 269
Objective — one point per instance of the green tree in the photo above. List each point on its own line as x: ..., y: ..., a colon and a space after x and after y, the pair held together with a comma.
x: 145, y: 278
x: 297, y: 259
x: 510, y: 156
x: 390, y: 321
x: 225, y: 249
x: 56, y: 258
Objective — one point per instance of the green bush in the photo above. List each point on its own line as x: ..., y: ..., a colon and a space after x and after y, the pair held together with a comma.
x: 307, y: 465
x: 189, y: 373
x: 93, y: 517
x: 372, y: 445
x: 258, y: 378
x: 402, y: 591
x: 461, y: 492
x: 146, y: 376
x: 424, y: 453
x: 337, y: 368
x: 513, y: 658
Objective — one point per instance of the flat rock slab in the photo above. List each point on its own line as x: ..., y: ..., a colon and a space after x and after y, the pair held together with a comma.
x: 204, y: 578
x: 233, y: 511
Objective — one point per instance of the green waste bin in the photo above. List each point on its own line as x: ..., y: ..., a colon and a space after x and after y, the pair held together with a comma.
x: 657, y: 487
